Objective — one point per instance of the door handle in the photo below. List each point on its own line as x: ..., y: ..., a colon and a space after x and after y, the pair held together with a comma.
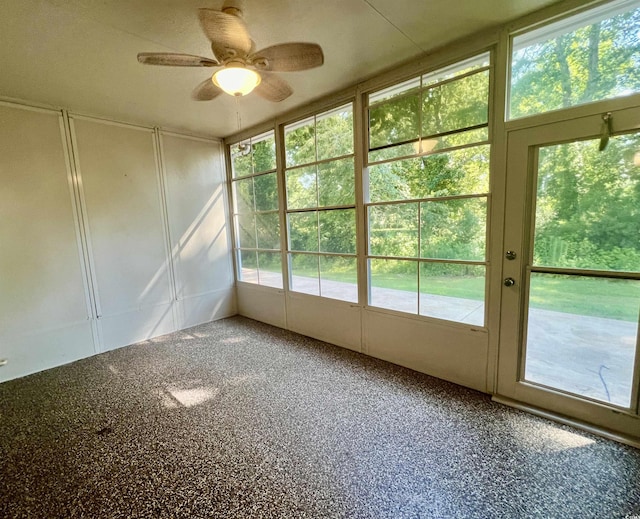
x: 509, y: 282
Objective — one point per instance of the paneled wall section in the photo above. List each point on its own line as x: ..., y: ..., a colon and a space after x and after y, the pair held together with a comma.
x: 109, y: 234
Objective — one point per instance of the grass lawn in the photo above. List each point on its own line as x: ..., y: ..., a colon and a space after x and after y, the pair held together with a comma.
x: 613, y: 299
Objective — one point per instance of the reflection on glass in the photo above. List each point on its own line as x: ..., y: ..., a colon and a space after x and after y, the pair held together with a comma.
x: 243, y: 195
x: 453, y: 229
x: 338, y: 231
x: 394, y: 285
x: 300, y: 143
x: 581, y: 335
x: 303, y: 231
x: 334, y: 133
x: 268, y: 230
x: 453, y: 292
x: 241, y: 159
x: 301, y: 188
x: 456, y: 104
x: 393, y: 230
x: 392, y: 152
x: 248, y: 266
x: 458, y: 172
x: 266, y: 192
x: 339, y: 278
x: 589, y: 57
x: 270, y: 269
x: 457, y: 69
x: 336, y: 183
x: 246, y: 227
x: 264, y: 153
x: 305, y: 273
x: 587, y: 204
x: 394, y: 121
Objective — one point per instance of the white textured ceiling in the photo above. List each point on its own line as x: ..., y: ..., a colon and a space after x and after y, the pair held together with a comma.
x: 81, y: 54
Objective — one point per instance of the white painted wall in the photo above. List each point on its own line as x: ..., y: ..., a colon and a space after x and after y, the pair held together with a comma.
x: 44, y: 317
x: 109, y: 234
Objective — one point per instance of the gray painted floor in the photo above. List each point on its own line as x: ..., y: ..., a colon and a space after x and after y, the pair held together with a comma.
x: 238, y: 419
x: 584, y: 355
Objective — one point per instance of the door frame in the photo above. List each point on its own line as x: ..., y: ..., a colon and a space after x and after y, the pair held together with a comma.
x: 519, y: 202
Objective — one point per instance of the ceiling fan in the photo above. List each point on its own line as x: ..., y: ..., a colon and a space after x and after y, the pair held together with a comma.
x: 241, y: 68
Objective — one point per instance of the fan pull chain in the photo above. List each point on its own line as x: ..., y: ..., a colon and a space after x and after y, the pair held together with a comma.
x: 238, y: 118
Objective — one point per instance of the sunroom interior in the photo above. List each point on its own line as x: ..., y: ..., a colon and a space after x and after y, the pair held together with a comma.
x: 469, y: 212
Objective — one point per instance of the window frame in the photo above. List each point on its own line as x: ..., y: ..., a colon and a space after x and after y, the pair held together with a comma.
x: 317, y: 115
x: 235, y: 180
x: 454, y: 74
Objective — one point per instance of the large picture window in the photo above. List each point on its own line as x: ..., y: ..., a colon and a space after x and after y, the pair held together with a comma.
x: 427, y: 187
x: 321, y: 215
x: 256, y: 218
x: 588, y: 57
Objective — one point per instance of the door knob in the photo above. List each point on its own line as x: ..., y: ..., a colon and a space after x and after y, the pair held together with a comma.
x: 509, y: 282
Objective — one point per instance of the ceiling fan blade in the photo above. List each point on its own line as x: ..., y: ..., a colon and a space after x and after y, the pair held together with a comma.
x: 273, y: 88
x: 289, y: 57
x: 225, y: 31
x: 175, y: 60
x: 206, y: 91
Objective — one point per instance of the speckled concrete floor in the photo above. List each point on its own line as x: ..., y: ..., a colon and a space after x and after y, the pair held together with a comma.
x: 238, y: 419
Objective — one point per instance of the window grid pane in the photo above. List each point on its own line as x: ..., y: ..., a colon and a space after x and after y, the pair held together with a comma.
x: 321, y: 217
x: 256, y: 216
x: 428, y: 195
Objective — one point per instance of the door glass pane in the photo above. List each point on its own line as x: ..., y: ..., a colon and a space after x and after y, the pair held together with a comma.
x: 588, y: 205
x: 581, y: 335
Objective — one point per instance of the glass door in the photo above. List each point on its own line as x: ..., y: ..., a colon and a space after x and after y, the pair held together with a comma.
x: 571, y: 294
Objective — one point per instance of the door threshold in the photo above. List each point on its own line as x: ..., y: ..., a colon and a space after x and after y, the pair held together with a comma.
x: 565, y: 420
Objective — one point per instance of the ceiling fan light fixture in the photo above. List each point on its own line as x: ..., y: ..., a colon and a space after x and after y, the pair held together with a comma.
x: 236, y: 80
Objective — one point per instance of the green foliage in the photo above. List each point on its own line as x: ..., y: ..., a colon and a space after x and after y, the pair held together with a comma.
x: 457, y: 104
x: 588, y: 206
x: 591, y: 63
x: 264, y: 154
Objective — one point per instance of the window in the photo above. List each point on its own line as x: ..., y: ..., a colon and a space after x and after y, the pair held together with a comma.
x: 588, y: 57
x: 257, y: 222
x: 427, y: 188
x: 321, y: 216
